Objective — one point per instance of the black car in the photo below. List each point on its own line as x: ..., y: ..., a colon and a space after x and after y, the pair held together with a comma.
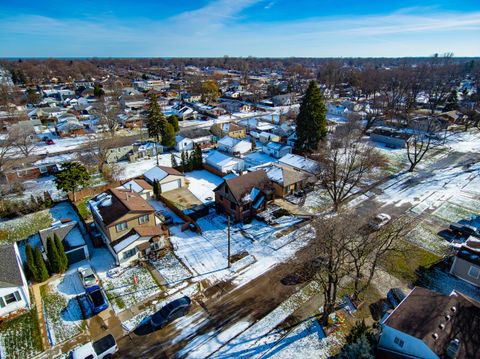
x: 170, y: 312
x: 464, y: 230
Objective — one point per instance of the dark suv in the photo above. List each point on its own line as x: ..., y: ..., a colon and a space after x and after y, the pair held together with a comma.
x: 170, y: 312
x: 464, y: 230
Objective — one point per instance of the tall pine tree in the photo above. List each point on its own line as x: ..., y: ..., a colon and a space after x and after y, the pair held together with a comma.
x: 53, y: 258
x: 168, y: 136
x: 174, y: 161
x: 312, y: 120
x: 42, y: 272
x: 63, y: 259
x: 30, y: 265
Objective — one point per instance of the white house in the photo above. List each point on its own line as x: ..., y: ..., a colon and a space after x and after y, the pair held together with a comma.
x: 140, y: 186
x: 265, y: 137
x: 301, y: 163
x: 183, y: 143
x: 276, y: 149
x: 169, y: 178
x: 234, y: 145
x: 14, y: 293
x: 224, y: 163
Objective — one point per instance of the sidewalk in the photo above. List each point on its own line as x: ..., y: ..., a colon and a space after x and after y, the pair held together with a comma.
x: 41, y: 318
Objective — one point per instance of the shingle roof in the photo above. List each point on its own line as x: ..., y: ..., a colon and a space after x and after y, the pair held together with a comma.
x: 242, y: 185
x: 10, y: 275
x: 123, y: 202
x: 423, y: 311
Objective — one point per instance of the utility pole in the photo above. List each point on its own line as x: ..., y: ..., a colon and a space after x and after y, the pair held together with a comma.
x: 229, y: 241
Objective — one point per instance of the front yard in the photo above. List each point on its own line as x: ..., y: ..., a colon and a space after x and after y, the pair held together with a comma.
x: 20, y: 337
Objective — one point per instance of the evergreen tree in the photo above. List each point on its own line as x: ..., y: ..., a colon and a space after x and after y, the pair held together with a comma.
x: 168, y: 136
x: 42, y: 272
x: 73, y: 175
x: 156, y: 120
x: 32, y: 272
x: 358, y: 330
x: 312, y: 120
x: 174, y: 161
x: 197, y: 158
x: 98, y: 91
x: 183, y: 163
x: 156, y: 189
x: 53, y: 258
x: 173, y: 120
x: 361, y: 349
x: 62, y: 256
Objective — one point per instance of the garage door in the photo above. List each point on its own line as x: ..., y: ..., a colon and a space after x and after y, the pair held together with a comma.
x: 170, y: 185
x: 75, y: 256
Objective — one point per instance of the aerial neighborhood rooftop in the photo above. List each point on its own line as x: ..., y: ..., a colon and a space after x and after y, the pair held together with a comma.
x: 232, y: 208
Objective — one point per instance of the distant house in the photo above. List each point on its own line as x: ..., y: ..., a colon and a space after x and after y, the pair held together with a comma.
x: 431, y: 325
x: 276, y: 149
x: 466, y: 264
x: 222, y: 164
x: 184, y: 112
x: 140, y: 186
x: 169, y: 178
x: 183, y: 143
x: 236, y: 106
x: 265, y: 137
x: 234, y: 146
x: 230, y: 129
x: 390, y: 137
x: 70, y: 127
x: 244, y: 196
x: 285, y: 180
x: 200, y: 136
x: 283, y: 100
x: 146, y: 149
x: 128, y: 224
x: 301, y: 163
x: 69, y: 233
x: 120, y: 153
x: 14, y: 294
x: 30, y: 171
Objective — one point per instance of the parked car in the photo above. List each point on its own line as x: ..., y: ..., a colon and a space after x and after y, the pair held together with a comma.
x: 87, y: 276
x: 170, y: 312
x: 49, y: 142
x: 101, y: 349
x: 97, y: 299
x: 379, y: 221
x: 464, y: 230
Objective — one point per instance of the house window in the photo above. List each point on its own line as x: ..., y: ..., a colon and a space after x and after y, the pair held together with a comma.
x: 43, y: 169
x: 143, y: 219
x: 129, y: 253
x: 10, y: 298
x: 399, y: 342
x: 232, y: 205
x: 474, y: 272
x: 221, y: 197
x: 121, y: 226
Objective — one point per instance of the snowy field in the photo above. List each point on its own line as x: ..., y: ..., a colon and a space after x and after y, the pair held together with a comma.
x: 134, y: 169
x: 171, y: 269
x: 202, y: 183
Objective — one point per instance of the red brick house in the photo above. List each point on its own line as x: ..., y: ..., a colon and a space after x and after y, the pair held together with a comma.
x: 30, y: 172
x: 244, y: 196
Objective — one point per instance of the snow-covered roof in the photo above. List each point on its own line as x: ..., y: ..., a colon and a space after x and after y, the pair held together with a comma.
x: 155, y: 173
x: 126, y: 242
x: 301, y: 163
x: 221, y: 159
x: 228, y: 141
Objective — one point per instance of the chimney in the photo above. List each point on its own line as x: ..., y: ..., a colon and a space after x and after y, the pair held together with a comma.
x: 131, y: 188
x: 435, y: 336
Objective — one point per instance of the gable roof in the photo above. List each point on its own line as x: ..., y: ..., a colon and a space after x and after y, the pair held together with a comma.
x: 301, y: 163
x: 122, y: 202
x: 422, y: 312
x: 160, y: 172
x: 10, y: 275
x: 137, y: 185
x: 242, y: 185
x: 284, y: 175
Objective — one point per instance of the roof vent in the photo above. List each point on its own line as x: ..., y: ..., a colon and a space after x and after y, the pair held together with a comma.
x: 453, y: 309
x: 442, y: 326
x: 435, y: 336
x: 447, y: 317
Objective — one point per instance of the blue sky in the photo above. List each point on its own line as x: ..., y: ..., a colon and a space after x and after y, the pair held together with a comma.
x: 277, y: 28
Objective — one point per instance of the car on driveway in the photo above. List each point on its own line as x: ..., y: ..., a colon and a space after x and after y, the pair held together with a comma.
x: 97, y: 298
x: 101, y: 349
x: 464, y: 230
x: 87, y: 276
x: 379, y: 221
x: 173, y: 310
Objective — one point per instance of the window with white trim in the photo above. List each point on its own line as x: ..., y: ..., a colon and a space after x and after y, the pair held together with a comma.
x: 143, y: 219
x: 10, y: 298
x: 121, y: 226
x: 474, y: 272
x: 129, y: 253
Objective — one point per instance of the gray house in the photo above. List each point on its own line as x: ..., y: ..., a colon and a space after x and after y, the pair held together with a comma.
x: 466, y: 264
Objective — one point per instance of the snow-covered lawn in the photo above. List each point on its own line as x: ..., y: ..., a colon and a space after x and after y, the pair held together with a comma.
x: 20, y: 337
x: 138, y: 168
x: 202, y: 183
x: 464, y: 141
x: 62, y: 311
x: 316, y: 201
x: 25, y: 226
x: 122, y: 291
x: 171, y: 269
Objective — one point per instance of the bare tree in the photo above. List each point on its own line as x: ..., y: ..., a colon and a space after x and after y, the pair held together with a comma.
x: 331, y: 243
x: 420, y: 141
x: 6, y: 145
x: 345, y: 162
x: 107, y: 110
x: 23, y: 137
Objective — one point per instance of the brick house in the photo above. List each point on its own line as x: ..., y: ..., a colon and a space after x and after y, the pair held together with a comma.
x: 244, y: 196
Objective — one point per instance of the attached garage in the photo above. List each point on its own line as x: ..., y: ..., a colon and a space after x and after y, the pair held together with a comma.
x: 169, y: 186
